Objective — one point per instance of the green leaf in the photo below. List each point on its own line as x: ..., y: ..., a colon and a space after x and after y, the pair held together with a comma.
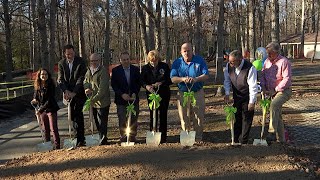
x: 86, y: 106
x: 189, y: 96
x: 155, y: 99
x: 130, y: 108
x: 230, y: 113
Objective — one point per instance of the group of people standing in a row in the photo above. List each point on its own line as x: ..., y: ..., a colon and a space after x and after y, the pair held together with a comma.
x: 189, y: 72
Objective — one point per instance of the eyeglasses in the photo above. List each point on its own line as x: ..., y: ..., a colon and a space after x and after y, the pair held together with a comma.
x: 94, y: 60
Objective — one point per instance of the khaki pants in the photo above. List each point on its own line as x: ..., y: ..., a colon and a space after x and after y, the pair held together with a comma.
x: 196, y: 113
x: 276, y: 123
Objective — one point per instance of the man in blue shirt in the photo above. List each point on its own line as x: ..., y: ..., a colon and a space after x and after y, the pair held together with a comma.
x: 189, y: 72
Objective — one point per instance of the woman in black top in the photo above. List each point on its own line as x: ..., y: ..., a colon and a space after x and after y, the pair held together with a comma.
x: 44, y: 97
x: 156, y: 74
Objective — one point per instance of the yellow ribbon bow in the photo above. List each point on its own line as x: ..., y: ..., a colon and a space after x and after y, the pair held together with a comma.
x: 230, y: 112
x: 187, y: 96
x: 155, y: 99
x: 86, y: 105
x: 265, y: 105
x: 130, y: 108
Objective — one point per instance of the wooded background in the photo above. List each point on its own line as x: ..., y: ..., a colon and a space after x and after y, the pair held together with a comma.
x: 33, y: 32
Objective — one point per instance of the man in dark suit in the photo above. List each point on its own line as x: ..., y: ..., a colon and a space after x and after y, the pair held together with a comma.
x: 126, y: 83
x: 71, y: 74
x: 241, y: 76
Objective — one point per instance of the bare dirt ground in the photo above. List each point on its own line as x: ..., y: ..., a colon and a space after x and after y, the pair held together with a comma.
x: 212, y: 159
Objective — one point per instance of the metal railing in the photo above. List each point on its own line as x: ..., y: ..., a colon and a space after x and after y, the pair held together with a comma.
x: 8, y: 92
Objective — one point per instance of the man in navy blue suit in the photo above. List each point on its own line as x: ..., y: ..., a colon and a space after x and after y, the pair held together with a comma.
x: 126, y: 83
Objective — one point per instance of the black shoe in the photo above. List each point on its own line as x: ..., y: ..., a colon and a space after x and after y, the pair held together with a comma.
x: 104, y: 142
x: 163, y: 141
x: 81, y: 144
x: 123, y: 139
x: 57, y: 147
x: 132, y: 139
x: 271, y: 137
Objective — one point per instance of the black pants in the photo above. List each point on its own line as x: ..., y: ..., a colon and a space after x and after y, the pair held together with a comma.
x: 163, y: 112
x: 77, y: 118
x: 243, y: 121
x: 123, y: 120
x: 100, y: 116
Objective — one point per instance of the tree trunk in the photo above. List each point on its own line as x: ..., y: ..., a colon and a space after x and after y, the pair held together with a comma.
x: 157, y: 21
x: 44, y: 53
x: 317, y: 33
x: 60, y: 39
x: 35, y: 37
x: 286, y: 23
x: 275, y: 21
x: 82, y: 48
x: 166, y: 32
x: 197, y: 37
x: 130, y: 34
x: 52, y: 27
x: 302, y: 30
x: 68, y: 22
x: 31, y: 58
x: 7, y: 21
x: 261, y: 15
x: 219, y: 57
x: 295, y: 19
x: 143, y: 31
x: 188, y: 26
x: 243, y: 33
x: 150, y: 25
x: 107, y: 58
x: 313, y: 17
x: 237, y: 22
x: 252, y: 24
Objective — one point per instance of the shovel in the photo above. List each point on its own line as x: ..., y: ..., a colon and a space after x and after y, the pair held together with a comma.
x: 130, y: 109
x: 69, y: 143
x: 153, y: 138
x: 230, y: 111
x: 265, y: 104
x: 92, y: 139
x: 44, y: 146
x: 187, y: 137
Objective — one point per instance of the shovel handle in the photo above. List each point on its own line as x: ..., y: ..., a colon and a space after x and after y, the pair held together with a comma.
x: 69, y: 118
x: 154, y: 117
x: 91, y: 118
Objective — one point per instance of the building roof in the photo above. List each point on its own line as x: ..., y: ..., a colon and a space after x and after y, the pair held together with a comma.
x: 309, y: 38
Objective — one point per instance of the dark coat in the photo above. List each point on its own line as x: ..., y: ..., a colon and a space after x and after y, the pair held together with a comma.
x: 46, y: 98
x: 120, y: 86
x: 73, y: 82
x: 161, y: 73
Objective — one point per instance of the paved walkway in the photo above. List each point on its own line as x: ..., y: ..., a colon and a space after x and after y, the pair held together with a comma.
x: 307, y: 131
x: 20, y: 135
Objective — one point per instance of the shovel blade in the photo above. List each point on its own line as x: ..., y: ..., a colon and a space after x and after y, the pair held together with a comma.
x: 125, y: 144
x: 69, y: 143
x: 92, y: 140
x: 153, y: 138
x: 260, y: 142
x: 187, y: 138
x: 45, y: 146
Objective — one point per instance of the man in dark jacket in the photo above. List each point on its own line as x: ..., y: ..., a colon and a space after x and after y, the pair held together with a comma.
x: 126, y: 83
x: 241, y: 75
x: 71, y: 74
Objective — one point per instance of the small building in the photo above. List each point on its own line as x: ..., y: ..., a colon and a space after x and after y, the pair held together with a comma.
x: 291, y: 46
